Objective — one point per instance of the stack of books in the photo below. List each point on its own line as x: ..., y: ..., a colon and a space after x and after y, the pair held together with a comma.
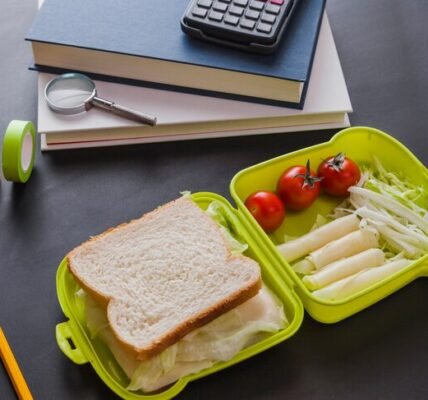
x: 138, y: 57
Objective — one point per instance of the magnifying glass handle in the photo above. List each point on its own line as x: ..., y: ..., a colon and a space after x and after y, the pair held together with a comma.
x: 124, y: 111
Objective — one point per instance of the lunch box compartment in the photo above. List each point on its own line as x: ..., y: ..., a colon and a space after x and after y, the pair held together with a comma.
x: 74, y: 338
x: 358, y: 143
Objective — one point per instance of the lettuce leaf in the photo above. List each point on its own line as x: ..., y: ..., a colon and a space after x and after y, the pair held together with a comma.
x: 217, y: 341
x: 216, y: 211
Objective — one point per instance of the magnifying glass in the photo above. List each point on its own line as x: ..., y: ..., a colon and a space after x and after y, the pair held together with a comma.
x: 73, y: 93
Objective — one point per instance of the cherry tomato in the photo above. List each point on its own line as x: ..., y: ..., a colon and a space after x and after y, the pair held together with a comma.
x: 338, y: 173
x: 298, y: 187
x: 267, y: 209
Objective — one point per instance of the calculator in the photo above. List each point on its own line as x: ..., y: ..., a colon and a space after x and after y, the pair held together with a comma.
x: 251, y: 25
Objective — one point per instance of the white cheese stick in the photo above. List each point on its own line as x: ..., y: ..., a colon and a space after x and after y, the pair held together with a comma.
x: 348, y: 245
x: 355, y: 283
x: 294, y: 249
x: 343, y: 268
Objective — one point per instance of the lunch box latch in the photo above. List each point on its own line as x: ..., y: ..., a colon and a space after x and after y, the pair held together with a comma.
x: 67, y: 343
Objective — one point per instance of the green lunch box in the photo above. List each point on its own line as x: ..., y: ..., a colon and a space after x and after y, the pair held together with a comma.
x: 360, y: 144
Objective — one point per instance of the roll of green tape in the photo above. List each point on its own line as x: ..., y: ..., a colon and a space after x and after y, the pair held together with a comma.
x: 19, y: 151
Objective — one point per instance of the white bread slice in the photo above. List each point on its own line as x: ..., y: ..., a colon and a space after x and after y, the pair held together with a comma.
x: 163, y: 275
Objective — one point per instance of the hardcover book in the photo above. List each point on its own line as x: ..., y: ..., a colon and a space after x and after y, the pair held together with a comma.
x: 141, y: 42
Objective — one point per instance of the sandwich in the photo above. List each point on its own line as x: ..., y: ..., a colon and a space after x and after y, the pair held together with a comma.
x: 169, y: 297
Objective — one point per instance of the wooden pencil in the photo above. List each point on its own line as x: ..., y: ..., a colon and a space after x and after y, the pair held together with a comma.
x: 13, y: 370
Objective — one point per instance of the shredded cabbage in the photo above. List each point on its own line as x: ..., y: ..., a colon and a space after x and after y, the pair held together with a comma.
x: 393, y: 205
x: 386, y: 182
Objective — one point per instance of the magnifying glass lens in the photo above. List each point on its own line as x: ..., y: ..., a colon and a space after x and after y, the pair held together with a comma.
x: 70, y: 91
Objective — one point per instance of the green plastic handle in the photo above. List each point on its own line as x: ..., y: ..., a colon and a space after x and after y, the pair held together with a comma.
x: 66, y: 342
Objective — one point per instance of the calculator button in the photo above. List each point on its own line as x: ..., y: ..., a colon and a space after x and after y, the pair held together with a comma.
x: 241, y: 3
x: 199, y: 12
x: 279, y: 2
x: 252, y: 14
x: 257, y: 5
x: 269, y: 18
x: 236, y: 10
x: 231, y: 19
x: 226, y: 1
x: 272, y: 9
x: 248, y: 24
x: 220, y: 6
x: 215, y: 16
x: 205, y: 3
x: 265, y: 28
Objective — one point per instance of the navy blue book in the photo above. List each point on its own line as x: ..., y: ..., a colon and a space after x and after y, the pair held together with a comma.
x: 141, y: 42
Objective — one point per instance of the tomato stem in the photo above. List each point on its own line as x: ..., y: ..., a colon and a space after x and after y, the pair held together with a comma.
x: 337, y: 162
x: 308, y: 179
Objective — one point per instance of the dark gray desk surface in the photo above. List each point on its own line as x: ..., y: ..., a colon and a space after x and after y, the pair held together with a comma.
x: 380, y: 353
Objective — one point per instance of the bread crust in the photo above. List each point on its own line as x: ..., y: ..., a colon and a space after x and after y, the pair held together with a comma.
x: 197, y: 320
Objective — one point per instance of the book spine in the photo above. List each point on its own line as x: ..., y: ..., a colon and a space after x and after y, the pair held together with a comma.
x: 305, y: 87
